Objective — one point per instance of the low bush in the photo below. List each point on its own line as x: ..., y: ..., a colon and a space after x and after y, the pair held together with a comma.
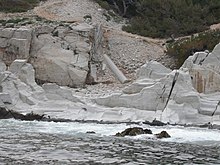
x: 163, y: 18
x: 181, y: 49
x: 17, y: 5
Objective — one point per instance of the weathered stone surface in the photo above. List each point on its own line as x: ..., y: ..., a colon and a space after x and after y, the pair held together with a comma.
x: 25, y: 72
x: 152, y: 70
x: 58, y: 53
x: 147, y: 76
x: 175, y: 113
x: 205, y: 80
x: 16, y: 66
x: 155, y: 97
x: 6, y: 32
x: 83, y: 27
x: 138, y: 85
x: 61, y: 61
x: 19, y: 85
x: 83, y: 47
x: 213, y: 59
x: 2, y: 66
x: 5, y: 98
x: 176, y: 97
x: 55, y: 92
x: 204, y: 68
x: 23, y: 33
x: 3, y: 42
x: 16, y: 49
x: 55, y: 65
x: 44, y: 29
x: 14, y: 44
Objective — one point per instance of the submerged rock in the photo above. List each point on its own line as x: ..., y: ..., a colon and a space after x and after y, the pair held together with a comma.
x: 155, y: 123
x: 138, y: 131
x: 133, y: 132
x: 90, y: 132
x: 163, y: 134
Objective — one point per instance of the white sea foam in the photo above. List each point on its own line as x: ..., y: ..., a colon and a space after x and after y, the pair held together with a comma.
x: 178, y: 134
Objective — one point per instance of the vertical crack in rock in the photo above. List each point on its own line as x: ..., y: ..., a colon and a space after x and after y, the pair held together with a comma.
x: 216, y: 108
x: 3, y: 77
x: 201, y: 61
x: 150, y: 73
x: 31, y: 45
x: 160, y: 96
x: 194, y: 61
x: 171, y: 90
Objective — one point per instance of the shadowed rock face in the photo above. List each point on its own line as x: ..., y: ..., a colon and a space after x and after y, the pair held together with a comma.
x: 4, y: 114
x: 8, y: 114
x: 133, y: 132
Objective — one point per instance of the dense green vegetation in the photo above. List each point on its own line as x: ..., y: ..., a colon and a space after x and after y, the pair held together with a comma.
x: 182, y: 48
x: 17, y: 5
x: 163, y: 18
x: 171, y: 19
x: 154, y: 18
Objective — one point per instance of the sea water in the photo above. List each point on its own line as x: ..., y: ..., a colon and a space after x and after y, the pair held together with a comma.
x: 32, y: 142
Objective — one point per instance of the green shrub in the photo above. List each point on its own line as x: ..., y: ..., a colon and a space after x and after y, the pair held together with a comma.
x: 183, y: 48
x: 163, y: 18
x: 104, y: 4
x: 14, y: 21
x: 17, y: 5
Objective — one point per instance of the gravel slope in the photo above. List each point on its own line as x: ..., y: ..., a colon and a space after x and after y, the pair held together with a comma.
x: 127, y: 50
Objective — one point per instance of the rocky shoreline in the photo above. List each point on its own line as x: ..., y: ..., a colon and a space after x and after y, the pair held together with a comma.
x: 184, y: 96
x: 10, y: 114
x: 45, y: 67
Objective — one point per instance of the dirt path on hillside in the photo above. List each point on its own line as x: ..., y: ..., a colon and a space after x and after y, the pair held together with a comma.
x: 73, y: 11
x: 215, y: 26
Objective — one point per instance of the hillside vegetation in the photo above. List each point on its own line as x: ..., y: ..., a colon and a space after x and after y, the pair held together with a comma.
x: 165, y: 18
x: 17, y: 5
x: 182, y: 48
x: 171, y: 19
x: 151, y: 18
